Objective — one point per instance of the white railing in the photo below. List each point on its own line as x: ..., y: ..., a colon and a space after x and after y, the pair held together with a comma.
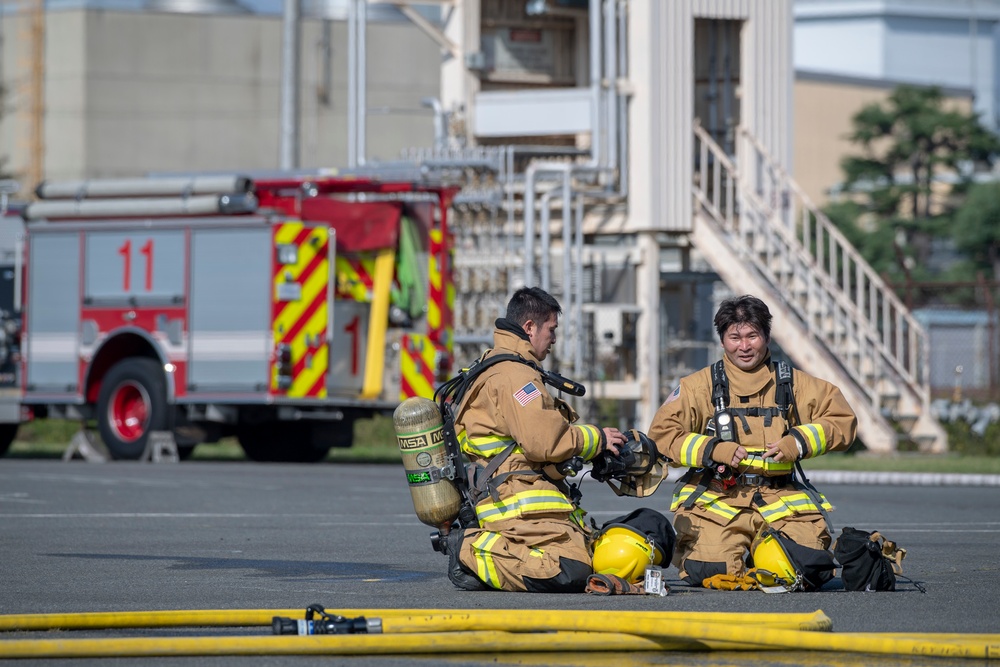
x: 824, y: 281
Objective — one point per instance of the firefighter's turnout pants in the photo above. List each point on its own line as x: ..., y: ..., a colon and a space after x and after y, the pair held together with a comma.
x: 714, y: 536
x: 541, y: 554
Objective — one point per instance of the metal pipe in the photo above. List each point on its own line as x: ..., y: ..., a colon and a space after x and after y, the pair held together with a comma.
x: 578, y: 324
x: 440, y: 129
x: 362, y: 82
x: 622, y: 118
x: 18, y: 270
x: 352, y: 83
x: 143, y: 187
x: 610, y: 76
x: 564, y: 168
x: 290, y: 65
x: 568, y: 296
x: 545, y: 240
x: 594, y: 14
x: 153, y: 206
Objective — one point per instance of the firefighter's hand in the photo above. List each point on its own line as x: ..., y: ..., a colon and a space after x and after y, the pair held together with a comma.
x: 721, y: 454
x: 613, y: 438
x: 782, y: 450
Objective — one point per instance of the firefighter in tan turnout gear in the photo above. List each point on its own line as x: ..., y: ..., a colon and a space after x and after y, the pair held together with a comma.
x: 531, y: 536
x: 741, y: 425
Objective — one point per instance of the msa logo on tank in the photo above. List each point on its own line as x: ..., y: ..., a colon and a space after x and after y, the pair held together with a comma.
x: 300, y: 313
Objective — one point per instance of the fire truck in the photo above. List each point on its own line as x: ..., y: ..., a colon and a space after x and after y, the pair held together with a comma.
x: 275, y: 309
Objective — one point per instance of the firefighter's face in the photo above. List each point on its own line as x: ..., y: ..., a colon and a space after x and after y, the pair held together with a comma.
x: 744, y: 346
x: 542, y: 336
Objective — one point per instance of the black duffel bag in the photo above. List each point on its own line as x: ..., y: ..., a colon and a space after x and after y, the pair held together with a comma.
x: 868, y: 561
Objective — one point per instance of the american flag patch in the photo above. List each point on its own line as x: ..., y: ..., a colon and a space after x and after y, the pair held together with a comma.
x: 674, y: 396
x: 527, y: 394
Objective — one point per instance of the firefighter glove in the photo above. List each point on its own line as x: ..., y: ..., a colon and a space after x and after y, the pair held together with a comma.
x: 730, y: 582
x: 789, y: 448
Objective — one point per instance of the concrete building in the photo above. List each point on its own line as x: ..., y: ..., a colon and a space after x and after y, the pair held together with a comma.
x: 946, y: 43
x: 129, y: 92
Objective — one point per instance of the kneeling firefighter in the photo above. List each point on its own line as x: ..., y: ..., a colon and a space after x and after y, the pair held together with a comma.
x: 741, y: 426
x: 524, y: 529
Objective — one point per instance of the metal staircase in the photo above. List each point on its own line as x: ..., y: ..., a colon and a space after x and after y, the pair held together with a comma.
x: 836, y: 316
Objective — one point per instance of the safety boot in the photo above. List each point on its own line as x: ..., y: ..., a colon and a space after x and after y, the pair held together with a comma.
x: 460, y: 575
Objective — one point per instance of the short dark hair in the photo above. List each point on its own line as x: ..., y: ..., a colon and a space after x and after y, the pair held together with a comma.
x: 532, y: 303
x: 744, y: 309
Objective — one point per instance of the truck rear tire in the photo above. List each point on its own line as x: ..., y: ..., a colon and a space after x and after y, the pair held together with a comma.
x: 132, y: 404
x: 7, y: 434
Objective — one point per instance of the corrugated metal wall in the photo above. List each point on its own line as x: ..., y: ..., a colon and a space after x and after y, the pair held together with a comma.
x: 662, y: 107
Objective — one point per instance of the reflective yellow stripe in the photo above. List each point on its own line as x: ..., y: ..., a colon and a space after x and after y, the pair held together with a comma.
x: 691, y: 450
x: 484, y: 447
x: 755, y: 463
x: 815, y: 439
x: 526, y: 502
x: 485, y: 568
x: 708, y: 501
x: 591, y: 440
x: 795, y: 503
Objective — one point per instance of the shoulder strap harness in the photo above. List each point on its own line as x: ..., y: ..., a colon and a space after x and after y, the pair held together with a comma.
x: 784, y: 397
x: 479, y: 480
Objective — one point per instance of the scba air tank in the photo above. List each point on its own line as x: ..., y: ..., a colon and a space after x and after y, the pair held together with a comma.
x: 420, y: 436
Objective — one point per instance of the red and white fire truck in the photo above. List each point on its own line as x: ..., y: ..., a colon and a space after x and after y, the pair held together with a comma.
x: 277, y: 309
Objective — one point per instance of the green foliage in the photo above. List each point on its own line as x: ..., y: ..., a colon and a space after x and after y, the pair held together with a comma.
x: 961, y: 439
x: 905, y: 462
x: 977, y: 228
x: 48, y: 431
x: 906, y: 143
x: 876, y: 244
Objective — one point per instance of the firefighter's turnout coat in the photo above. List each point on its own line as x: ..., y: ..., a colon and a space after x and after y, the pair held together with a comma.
x: 531, y: 534
x: 717, y: 514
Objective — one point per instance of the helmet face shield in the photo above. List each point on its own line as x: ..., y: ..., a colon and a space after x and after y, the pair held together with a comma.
x: 644, y: 467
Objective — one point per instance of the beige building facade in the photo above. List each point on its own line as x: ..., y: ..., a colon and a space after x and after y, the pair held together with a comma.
x: 128, y: 93
x: 824, y: 107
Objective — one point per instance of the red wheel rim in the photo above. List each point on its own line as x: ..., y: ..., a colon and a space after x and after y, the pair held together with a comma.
x: 129, y: 411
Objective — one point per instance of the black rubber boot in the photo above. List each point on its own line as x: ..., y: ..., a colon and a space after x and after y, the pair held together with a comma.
x: 460, y: 575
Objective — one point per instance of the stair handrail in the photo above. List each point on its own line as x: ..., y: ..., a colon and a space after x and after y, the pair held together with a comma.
x: 866, y: 333
x: 791, y: 242
x: 915, y: 370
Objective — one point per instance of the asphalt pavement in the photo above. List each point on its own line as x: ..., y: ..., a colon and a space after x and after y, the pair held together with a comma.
x: 121, y: 536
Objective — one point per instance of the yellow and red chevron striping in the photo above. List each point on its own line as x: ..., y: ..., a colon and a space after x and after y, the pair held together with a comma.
x: 440, y: 313
x: 300, y: 309
x: 417, y: 367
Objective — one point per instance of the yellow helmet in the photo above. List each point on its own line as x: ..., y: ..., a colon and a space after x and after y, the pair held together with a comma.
x: 621, y: 550
x: 773, y: 566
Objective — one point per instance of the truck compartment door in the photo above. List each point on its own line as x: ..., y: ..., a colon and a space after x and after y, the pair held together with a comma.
x: 53, y: 310
x: 230, y: 310
x: 301, y: 318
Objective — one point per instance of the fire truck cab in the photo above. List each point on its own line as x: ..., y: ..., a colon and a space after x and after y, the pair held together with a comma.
x: 277, y: 309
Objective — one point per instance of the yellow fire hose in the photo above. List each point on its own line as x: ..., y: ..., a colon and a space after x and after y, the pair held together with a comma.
x: 395, y: 620
x: 441, y: 631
